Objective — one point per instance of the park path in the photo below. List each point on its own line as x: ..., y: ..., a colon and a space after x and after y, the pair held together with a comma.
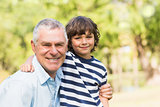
x: 142, y: 97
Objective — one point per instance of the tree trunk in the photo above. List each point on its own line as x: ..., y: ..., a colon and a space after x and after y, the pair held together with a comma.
x: 135, y: 67
x: 146, y: 66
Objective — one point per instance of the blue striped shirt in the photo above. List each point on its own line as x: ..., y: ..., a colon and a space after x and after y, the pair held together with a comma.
x: 81, y: 83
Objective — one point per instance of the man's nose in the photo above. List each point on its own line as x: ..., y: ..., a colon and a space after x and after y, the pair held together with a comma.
x: 53, y: 50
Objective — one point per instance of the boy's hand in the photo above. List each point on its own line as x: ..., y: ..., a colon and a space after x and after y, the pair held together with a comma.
x: 106, y: 91
x: 26, y: 68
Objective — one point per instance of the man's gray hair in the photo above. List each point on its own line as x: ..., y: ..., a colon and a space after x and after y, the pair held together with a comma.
x: 47, y: 23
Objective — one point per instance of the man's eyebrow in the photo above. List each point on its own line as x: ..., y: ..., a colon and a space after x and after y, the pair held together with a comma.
x: 60, y: 43
x: 44, y: 42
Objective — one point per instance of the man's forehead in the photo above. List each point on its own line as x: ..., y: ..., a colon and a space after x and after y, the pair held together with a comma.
x: 51, y: 35
x: 49, y: 29
x: 52, y: 32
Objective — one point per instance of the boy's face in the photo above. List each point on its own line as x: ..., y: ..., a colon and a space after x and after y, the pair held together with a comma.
x: 83, y: 44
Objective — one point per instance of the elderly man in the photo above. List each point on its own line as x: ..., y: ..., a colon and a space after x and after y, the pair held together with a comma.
x: 40, y: 88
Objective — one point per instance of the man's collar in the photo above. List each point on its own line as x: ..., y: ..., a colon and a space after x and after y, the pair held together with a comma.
x: 42, y: 74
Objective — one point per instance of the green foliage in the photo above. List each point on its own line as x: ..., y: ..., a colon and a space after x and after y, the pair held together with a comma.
x: 153, y: 26
x: 118, y: 21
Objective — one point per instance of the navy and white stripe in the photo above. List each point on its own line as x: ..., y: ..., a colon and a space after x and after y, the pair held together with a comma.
x: 81, y: 83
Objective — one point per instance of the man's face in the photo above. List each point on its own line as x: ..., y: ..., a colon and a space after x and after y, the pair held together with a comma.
x: 50, y: 49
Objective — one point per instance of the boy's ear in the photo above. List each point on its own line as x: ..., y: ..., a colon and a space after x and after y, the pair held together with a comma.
x: 33, y: 46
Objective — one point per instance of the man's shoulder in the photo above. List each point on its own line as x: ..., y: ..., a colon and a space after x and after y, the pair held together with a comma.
x: 20, y: 85
x: 22, y: 77
x: 19, y: 82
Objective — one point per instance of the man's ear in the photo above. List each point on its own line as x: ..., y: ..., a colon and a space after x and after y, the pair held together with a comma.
x: 33, y: 46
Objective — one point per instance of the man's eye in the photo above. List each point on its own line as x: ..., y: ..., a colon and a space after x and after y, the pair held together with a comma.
x: 47, y: 45
x: 59, y: 45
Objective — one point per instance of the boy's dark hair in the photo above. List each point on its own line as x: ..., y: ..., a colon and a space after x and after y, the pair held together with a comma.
x: 78, y: 26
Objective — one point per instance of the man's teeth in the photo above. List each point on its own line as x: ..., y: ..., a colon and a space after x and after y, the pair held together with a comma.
x: 52, y: 59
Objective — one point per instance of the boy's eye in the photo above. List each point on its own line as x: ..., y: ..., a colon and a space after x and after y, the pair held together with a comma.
x: 89, y: 36
x: 77, y: 37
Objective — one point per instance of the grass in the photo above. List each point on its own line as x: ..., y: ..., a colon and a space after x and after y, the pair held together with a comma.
x: 147, y: 96
x: 3, y: 75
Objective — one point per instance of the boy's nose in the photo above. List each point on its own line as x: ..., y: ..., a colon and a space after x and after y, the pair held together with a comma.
x: 84, y: 41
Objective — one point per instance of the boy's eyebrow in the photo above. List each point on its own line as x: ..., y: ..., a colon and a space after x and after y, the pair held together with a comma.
x: 77, y: 35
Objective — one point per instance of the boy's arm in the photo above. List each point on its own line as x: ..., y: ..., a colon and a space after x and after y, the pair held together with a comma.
x: 27, y: 66
x: 106, y: 91
x: 105, y: 94
x: 104, y: 101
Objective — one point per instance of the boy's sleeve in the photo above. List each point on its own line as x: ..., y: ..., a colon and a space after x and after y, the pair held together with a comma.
x: 104, y: 78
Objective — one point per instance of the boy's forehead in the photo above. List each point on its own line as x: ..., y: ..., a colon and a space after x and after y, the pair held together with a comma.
x: 88, y: 32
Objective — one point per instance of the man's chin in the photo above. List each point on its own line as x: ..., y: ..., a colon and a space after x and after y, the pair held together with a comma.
x: 54, y: 68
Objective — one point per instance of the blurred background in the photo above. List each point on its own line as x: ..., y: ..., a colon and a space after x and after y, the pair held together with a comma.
x: 129, y: 46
